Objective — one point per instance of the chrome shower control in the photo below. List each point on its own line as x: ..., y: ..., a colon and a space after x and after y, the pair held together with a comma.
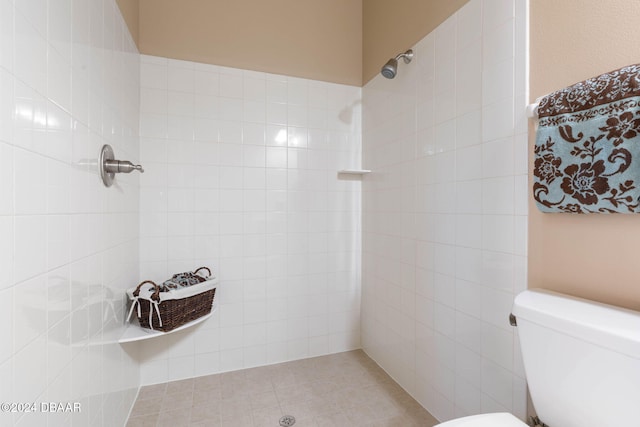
x: 121, y: 166
x: 109, y: 166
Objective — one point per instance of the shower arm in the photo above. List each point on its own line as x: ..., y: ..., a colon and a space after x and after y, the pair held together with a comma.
x: 406, y: 56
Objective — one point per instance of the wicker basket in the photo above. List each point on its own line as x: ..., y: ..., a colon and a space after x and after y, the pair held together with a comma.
x: 168, y: 310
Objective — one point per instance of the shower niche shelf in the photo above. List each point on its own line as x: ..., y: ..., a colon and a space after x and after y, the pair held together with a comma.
x: 354, y: 172
x: 134, y: 332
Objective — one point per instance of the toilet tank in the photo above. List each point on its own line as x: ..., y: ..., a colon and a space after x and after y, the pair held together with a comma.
x: 581, y: 359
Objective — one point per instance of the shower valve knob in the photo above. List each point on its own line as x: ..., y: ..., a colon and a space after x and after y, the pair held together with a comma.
x: 109, y: 166
x: 122, y: 166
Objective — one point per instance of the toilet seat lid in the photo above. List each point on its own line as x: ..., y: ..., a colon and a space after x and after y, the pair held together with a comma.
x: 499, y: 419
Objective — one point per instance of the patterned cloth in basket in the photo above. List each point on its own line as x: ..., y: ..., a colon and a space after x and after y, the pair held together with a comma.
x: 183, y: 280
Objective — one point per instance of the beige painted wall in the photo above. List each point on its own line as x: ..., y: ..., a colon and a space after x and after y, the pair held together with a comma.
x: 319, y: 40
x: 341, y: 41
x: 129, y: 9
x: 593, y: 256
x: 391, y: 27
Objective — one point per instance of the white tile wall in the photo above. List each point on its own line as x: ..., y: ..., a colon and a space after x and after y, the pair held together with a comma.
x: 241, y: 175
x: 69, y: 82
x: 444, y: 213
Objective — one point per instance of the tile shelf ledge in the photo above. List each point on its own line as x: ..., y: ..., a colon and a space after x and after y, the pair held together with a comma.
x: 354, y: 171
x: 133, y: 331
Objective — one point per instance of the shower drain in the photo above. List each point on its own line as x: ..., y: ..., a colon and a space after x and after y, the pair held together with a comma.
x: 287, y: 421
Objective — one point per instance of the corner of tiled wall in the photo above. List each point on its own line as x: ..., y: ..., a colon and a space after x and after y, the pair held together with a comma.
x: 444, y: 213
x: 69, y: 78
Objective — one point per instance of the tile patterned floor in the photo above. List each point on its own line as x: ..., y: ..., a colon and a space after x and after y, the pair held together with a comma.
x: 342, y: 390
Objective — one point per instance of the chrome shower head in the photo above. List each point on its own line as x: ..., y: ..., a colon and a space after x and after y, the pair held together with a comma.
x: 390, y: 69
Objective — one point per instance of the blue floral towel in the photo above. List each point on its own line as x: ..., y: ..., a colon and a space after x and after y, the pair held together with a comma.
x: 587, y: 153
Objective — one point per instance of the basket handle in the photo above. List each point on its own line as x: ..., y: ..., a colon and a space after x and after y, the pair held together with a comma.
x: 203, y: 268
x: 156, y: 293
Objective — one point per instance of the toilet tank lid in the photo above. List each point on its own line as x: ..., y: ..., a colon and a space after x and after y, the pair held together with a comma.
x: 605, y: 325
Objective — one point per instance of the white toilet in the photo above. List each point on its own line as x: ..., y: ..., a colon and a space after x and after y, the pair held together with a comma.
x: 582, y: 362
